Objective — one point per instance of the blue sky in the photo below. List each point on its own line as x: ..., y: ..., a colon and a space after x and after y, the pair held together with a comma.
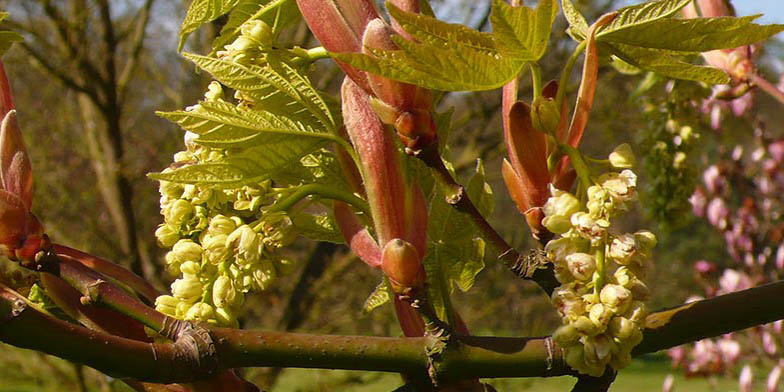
x: 772, y: 10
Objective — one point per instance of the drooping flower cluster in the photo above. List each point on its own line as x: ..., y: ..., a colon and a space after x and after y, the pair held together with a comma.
x: 601, y: 292
x: 223, y: 242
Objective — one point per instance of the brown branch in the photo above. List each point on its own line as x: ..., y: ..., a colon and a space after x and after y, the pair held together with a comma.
x: 136, y: 46
x: 473, y: 356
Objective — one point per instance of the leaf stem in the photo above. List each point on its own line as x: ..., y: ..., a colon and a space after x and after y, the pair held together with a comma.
x: 767, y: 87
x: 567, y: 71
x: 536, y: 79
x: 323, y: 191
x: 576, y: 158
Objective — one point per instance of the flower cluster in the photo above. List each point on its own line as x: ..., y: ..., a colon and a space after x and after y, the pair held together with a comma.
x: 224, y: 243
x: 601, y: 292
x: 742, y: 197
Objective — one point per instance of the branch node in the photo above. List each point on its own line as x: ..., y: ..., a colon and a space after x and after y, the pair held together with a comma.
x: 196, y: 351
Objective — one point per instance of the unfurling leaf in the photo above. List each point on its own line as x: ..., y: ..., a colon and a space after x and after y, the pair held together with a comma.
x: 665, y: 63
x: 629, y: 17
x: 201, y: 12
x: 276, y: 13
x: 378, y: 297
x: 578, y: 27
x: 317, y: 227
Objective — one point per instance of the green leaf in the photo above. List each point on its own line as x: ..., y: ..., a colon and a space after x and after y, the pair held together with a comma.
x: 379, y: 296
x: 201, y: 12
x: 664, y: 63
x: 320, y: 167
x: 521, y: 32
x: 441, y: 34
x: 694, y: 35
x: 269, y: 11
x: 277, y: 87
x: 454, y: 69
x: 223, y: 125
x: 251, y: 165
x: 455, y: 252
x: 578, y: 27
x: 629, y: 17
x: 624, y: 67
x: 321, y: 227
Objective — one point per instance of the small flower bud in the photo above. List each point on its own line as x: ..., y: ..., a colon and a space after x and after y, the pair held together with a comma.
x: 258, y: 31
x: 179, y: 212
x: 621, y: 327
x: 166, y: 304
x: 223, y: 293
x: 200, y: 312
x: 600, y: 315
x: 186, y: 250
x: 581, y: 265
x: 190, y: 269
x: 622, y: 248
x: 263, y: 274
x: 220, y: 224
x: 637, y: 312
x: 616, y: 297
x: 215, y: 250
x: 246, y: 243
x: 646, y: 239
x: 566, y: 335
x: 402, y: 266
x: 585, y: 326
x: 558, y: 209
x: 545, y: 115
x: 167, y: 235
x: 621, y: 185
x: 622, y: 157
x: 186, y: 290
x: 226, y: 317
x: 214, y: 92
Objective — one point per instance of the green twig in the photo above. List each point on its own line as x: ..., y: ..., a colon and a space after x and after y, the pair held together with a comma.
x: 536, y: 79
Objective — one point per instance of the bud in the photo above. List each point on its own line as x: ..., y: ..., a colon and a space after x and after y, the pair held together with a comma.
x: 600, y: 315
x: 166, y: 304
x: 214, y: 92
x: 263, y: 274
x: 186, y: 290
x: 545, y: 115
x: 167, y: 235
x: 169, y: 191
x: 621, y: 185
x: 621, y: 359
x: 259, y: 32
x: 566, y: 335
x: 618, y: 298
x: 598, y: 350
x: 200, y: 312
x: 589, y: 228
x: 558, y: 209
x: 622, y: 248
x: 179, y: 212
x: 215, y: 250
x: 223, y: 293
x: 621, y: 327
x: 220, y: 224
x: 586, y: 326
x: 182, y: 251
x: 402, y: 266
x: 622, y: 157
x: 226, y: 317
x: 646, y: 239
x: 581, y: 265
x: 569, y: 305
x: 746, y: 379
x: 558, y: 249
x: 637, y: 312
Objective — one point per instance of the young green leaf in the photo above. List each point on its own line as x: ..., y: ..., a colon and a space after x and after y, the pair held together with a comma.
x: 379, y: 296
x: 666, y: 63
x: 201, y: 12
x: 279, y: 81
x: 223, y: 125
x: 522, y: 32
x: 578, y: 27
x: 248, y: 166
x: 455, y: 69
x: 694, y: 35
x: 7, y: 38
x: 631, y: 16
x: 441, y: 34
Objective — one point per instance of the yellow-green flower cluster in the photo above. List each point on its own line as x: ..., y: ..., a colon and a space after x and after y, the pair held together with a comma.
x: 601, y: 296
x: 224, y: 243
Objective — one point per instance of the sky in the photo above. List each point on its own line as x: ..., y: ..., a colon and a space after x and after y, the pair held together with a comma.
x: 772, y: 10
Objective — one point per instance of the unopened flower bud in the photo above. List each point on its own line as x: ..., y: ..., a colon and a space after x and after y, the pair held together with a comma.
x: 622, y: 157
x: 258, y: 31
x: 263, y: 274
x: 620, y: 185
x: 646, y: 239
x: 226, y: 317
x: 566, y: 335
x: 581, y: 265
x: 186, y: 290
x: 200, y: 311
x: 220, y: 224
x: 223, y: 293
x: 246, y: 243
x: 623, y: 248
x: 621, y: 327
x: 184, y: 250
x: 215, y: 249
x: 545, y: 115
x: 600, y: 315
x: 558, y: 209
x: 586, y: 326
x: 179, y: 212
x: 402, y: 266
x: 616, y: 297
x: 637, y: 312
x: 167, y: 235
x: 214, y: 92
x: 190, y: 269
x: 166, y: 304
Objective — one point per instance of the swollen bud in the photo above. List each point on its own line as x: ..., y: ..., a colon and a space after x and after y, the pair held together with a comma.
x: 545, y: 115
x: 402, y: 266
x: 622, y: 157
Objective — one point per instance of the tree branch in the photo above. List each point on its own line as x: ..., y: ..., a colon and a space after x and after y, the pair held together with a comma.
x: 136, y: 45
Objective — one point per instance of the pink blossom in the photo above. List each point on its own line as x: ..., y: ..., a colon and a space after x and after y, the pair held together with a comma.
x: 713, y: 179
x: 698, y: 202
x: 704, y: 267
x: 668, y: 382
x: 773, y: 379
x: 746, y: 379
x: 732, y: 280
x: 717, y: 213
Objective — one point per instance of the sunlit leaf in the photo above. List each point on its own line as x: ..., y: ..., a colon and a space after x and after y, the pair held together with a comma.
x: 665, y: 63
x: 522, y: 32
x: 629, y: 17
x: 379, y: 296
x: 441, y: 34
x: 317, y: 227
x: 201, y: 12
x: 276, y: 13
x: 578, y: 27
